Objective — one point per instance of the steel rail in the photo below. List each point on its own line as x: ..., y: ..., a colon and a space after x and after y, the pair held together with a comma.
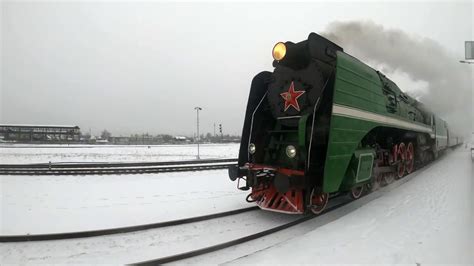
x: 209, y: 249
x: 109, y: 165
x: 114, y: 168
x: 120, y: 230
x: 111, y: 171
x: 205, y: 250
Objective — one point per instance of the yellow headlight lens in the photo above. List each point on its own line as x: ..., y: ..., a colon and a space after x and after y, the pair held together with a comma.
x: 291, y: 151
x: 252, y: 148
x: 279, y: 51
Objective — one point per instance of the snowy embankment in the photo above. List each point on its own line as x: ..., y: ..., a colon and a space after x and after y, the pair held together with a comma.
x: 426, y: 220
x: 21, y: 154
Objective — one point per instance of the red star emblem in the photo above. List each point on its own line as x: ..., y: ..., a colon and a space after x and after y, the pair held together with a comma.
x: 291, y: 97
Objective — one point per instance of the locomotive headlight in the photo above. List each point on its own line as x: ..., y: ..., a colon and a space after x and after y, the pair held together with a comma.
x: 252, y: 148
x: 291, y: 151
x: 279, y: 51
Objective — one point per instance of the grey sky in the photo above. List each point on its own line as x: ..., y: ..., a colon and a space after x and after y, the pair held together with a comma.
x: 143, y: 67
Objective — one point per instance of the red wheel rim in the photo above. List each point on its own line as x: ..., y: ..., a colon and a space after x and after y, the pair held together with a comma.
x: 410, y: 158
x: 318, y: 202
x: 402, y: 156
x: 388, y: 178
x: 377, y: 182
x: 356, y: 192
x: 395, y: 153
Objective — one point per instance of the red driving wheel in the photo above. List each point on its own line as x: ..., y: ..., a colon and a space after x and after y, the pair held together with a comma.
x: 356, y: 192
x: 402, y: 157
x: 318, y: 201
x: 410, y: 158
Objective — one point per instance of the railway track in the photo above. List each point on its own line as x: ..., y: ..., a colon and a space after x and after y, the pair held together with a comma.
x: 336, y: 202
x: 209, y: 249
x: 120, y: 230
x: 172, y: 244
x: 114, y: 168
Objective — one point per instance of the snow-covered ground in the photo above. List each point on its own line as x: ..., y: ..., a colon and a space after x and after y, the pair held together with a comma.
x: 142, y: 245
x: 78, y: 203
x: 426, y: 218
x: 18, y: 153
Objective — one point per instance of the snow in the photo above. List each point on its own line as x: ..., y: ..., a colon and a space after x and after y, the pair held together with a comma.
x: 424, y: 218
x: 18, y: 154
x: 77, y: 203
x: 142, y: 245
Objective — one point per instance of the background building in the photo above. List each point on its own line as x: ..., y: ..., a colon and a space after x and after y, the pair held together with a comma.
x: 39, y: 133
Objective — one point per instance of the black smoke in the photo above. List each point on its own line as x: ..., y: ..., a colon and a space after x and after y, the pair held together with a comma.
x: 450, y: 83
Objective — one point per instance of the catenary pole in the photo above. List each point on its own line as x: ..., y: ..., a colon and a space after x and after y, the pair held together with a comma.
x: 197, y: 108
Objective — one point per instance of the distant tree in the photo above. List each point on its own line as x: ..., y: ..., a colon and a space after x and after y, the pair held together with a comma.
x: 105, y: 134
x: 86, y: 136
x: 167, y: 138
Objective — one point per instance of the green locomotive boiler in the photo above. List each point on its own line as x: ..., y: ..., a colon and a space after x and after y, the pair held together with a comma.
x: 324, y: 123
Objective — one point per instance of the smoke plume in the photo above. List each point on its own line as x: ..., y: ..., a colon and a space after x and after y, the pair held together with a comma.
x: 446, y: 83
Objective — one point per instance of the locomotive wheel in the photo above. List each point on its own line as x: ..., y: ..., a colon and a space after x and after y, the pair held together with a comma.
x: 250, y: 199
x: 318, y: 202
x: 374, y: 184
x: 356, y: 192
x: 369, y: 186
x: 377, y: 182
x: 410, y: 158
x: 388, y: 178
x: 402, y: 155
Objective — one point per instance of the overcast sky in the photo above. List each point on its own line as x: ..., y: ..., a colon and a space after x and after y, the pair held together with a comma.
x: 143, y: 67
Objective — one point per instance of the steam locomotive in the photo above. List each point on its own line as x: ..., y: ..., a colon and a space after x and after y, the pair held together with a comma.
x: 324, y: 123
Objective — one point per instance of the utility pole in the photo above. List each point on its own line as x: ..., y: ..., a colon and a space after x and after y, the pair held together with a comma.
x: 197, y: 108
